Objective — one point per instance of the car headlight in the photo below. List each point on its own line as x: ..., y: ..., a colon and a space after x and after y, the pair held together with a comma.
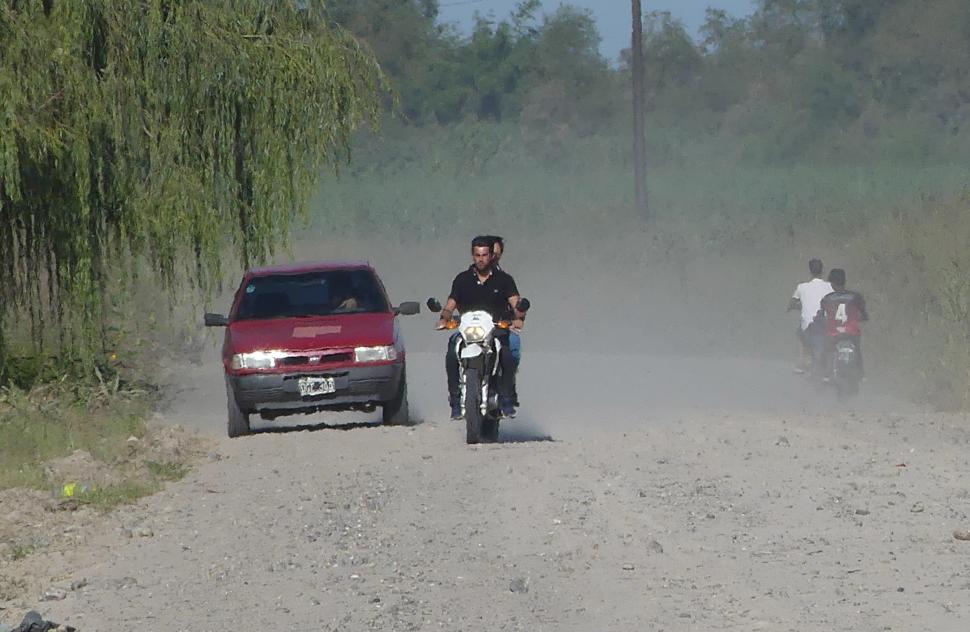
x: 375, y: 354
x: 254, y: 360
x: 473, y: 333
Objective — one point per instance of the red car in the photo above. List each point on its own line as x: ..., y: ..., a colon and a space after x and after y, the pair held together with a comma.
x: 310, y: 337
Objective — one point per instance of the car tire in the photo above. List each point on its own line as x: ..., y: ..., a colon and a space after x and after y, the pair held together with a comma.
x: 395, y: 411
x: 238, y: 425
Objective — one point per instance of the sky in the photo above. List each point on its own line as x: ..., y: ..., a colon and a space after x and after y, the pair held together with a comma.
x: 612, y: 16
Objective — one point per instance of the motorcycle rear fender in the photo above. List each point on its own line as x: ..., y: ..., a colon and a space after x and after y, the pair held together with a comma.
x: 845, y: 352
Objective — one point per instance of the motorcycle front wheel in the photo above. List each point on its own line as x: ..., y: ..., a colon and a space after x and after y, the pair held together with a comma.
x: 490, y: 429
x: 473, y: 406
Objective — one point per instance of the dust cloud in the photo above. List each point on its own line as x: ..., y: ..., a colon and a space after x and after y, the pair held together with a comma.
x: 618, y: 336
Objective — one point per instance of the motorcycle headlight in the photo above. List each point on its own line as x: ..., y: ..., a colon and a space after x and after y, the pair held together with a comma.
x: 375, y: 354
x: 254, y: 360
x: 474, y: 333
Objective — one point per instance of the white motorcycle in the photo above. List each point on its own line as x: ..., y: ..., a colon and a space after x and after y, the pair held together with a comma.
x: 477, y: 349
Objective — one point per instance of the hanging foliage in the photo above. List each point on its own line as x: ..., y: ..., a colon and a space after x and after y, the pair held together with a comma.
x: 160, y: 131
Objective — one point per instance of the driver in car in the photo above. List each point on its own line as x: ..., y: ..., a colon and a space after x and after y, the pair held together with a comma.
x: 482, y: 287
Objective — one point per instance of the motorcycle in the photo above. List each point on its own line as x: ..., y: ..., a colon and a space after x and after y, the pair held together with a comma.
x: 846, y: 369
x: 477, y: 349
x: 836, y: 363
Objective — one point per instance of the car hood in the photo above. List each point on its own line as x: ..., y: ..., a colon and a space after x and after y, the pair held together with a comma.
x: 305, y: 334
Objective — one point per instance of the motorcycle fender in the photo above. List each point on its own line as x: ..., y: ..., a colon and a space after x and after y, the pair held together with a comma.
x: 471, y: 351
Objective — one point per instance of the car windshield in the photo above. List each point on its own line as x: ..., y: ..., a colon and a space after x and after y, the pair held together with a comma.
x: 311, y: 294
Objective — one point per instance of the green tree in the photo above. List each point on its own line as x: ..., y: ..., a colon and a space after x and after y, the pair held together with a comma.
x: 671, y: 58
x: 160, y: 131
x: 417, y: 54
x: 569, y: 85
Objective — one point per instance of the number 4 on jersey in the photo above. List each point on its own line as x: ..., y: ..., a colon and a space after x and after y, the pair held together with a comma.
x: 841, y: 315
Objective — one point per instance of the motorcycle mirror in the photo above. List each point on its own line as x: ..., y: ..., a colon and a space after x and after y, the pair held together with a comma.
x: 434, y: 305
x: 523, y: 305
x: 409, y: 308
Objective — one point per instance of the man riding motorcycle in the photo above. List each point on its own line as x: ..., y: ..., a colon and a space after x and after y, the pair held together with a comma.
x: 482, y: 287
x: 807, y: 299
x: 840, y: 314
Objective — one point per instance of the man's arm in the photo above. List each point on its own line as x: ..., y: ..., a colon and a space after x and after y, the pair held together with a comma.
x: 451, y: 304
x: 796, y: 299
x: 512, y: 292
x: 446, y: 313
x: 518, y: 318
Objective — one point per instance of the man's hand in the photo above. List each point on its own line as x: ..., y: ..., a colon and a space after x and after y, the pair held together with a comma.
x: 518, y: 324
x: 447, y: 313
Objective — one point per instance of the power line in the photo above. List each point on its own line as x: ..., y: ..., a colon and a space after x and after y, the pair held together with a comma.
x: 456, y: 4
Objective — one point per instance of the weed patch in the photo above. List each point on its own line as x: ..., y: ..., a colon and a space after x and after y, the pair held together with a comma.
x: 107, y: 498
x: 167, y: 471
x: 41, y: 424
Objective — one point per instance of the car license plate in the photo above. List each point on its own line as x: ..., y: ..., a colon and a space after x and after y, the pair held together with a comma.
x: 311, y: 386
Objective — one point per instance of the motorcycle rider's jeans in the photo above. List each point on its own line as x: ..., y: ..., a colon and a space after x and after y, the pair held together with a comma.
x: 506, y: 376
x: 515, y: 346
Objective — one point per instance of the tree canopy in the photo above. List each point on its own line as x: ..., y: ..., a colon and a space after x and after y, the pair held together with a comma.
x: 801, y: 77
x: 160, y: 131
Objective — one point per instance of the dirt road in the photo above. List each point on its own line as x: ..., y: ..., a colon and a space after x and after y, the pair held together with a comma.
x: 680, y: 498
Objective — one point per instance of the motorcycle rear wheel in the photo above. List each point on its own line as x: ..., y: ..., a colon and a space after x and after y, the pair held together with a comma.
x: 847, y: 387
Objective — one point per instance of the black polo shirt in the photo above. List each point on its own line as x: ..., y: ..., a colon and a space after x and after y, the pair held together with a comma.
x: 492, y: 295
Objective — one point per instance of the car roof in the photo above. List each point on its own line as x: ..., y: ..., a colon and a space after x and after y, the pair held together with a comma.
x: 308, y: 266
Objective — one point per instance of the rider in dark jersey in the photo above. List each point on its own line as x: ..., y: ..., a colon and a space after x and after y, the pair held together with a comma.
x: 841, y: 313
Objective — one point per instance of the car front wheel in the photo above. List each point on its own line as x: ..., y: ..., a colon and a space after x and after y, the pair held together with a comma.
x: 238, y: 425
x: 395, y: 411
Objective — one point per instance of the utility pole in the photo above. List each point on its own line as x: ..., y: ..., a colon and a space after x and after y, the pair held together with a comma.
x: 639, y: 142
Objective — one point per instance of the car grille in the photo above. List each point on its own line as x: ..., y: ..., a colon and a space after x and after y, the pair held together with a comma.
x: 315, y: 360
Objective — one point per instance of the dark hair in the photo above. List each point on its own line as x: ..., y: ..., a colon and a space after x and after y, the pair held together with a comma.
x: 837, y: 277
x: 494, y: 239
x: 482, y: 241
x: 815, y: 267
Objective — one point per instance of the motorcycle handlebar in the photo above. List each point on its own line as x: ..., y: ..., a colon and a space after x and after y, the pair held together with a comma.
x: 454, y: 322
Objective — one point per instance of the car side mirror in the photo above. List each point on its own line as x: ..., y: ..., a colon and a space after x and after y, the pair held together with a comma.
x: 434, y: 305
x: 523, y: 305
x: 408, y: 308
x: 216, y: 320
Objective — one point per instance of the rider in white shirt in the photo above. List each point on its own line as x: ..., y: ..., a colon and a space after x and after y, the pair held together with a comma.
x: 808, y: 298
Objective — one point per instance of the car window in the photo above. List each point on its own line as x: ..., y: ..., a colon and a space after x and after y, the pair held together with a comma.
x: 311, y: 294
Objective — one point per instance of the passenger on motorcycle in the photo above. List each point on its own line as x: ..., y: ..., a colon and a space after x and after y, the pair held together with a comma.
x: 840, y: 315
x: 808, y: 299
x: 482, y: 287
x: 515, y: 339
